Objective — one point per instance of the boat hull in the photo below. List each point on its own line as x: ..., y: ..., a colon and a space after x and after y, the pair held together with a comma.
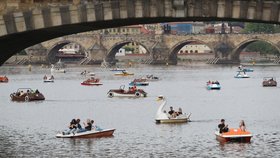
x: 88, y: 134
x: 91, y: 84
x: 213, y: 87
x: 234, y: 135
x: 139, y: 83
x: 123, y: 94
x: 241, y: 77
x: 172, y: 120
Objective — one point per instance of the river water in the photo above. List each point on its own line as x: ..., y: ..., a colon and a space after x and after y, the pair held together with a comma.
x: 28, y: 129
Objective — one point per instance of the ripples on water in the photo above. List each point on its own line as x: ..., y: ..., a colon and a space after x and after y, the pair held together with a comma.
x: 28, y: 129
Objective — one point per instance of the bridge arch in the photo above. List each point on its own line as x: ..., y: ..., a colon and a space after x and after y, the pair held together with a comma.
x: 175, y: 49
x: 48, y: 22
x: 111, y: 54
x: 55, y: 48
x: 235, y: 54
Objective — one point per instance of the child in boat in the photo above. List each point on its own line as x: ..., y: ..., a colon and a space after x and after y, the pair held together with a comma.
x: 242, y: 126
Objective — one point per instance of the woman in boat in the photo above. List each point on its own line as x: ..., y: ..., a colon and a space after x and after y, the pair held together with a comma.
x: 222, y: 127
x: 72, y: 127
x: 242, y: 126
x: 88, y: 125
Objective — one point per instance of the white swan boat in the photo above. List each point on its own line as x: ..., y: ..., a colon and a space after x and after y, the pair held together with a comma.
x: 163, y: 117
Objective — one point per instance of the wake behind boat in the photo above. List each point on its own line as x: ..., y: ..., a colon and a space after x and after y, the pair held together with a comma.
x: 88, y: 134
x: 171, y: 117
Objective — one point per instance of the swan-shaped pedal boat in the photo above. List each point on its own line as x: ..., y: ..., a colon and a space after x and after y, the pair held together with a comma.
x: 163, y: 117
x: 234, y: 135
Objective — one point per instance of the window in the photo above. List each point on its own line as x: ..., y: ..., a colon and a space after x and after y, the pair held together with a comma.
x: 196, y: 51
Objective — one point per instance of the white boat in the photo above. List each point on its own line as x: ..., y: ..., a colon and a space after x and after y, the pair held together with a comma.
x: 151, y: 78
x: 213, y: 85
x: 48, y: 79
x: 241, y: 74
x: 117, y: 69
x: 57, y: 69
x: 88, y: 134
x: 163, y: 117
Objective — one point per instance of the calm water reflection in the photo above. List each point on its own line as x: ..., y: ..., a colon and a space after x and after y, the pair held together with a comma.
x: 28, y: 129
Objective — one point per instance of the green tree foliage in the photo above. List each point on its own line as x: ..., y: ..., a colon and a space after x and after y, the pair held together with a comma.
x: 23, y: 52
x: 261, y: 28
x: 262, y: 47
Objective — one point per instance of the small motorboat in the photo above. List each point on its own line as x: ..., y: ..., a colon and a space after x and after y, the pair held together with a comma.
x: 139, y: 82
x: 241, y: 74
x: 4, y: 79
x: 55, y: 69
x: 117, y: 69
x: 213, y: 85
x: 88, y: 134
x: 48, y: 79
x: 26, y: 94
x: 151, y: 78
x: 269, y: 82
x: 91, y: 82
x: 163, y: 117
x: 131, y: 92
x: 123, y: 73
x: 234, y: 135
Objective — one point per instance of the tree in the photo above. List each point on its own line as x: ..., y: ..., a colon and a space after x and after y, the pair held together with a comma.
x: 261, y: 28
x: 262, y: 47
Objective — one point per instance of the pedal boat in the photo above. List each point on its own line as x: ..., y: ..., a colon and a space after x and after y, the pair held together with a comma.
x: 241, y: 74
x: 234, y: 135
x: 123, y: 73
x: 57, y: 69
x: 212, y: 86
x: 126, y: 93
x: 26, y: 96
x: 151, y: 78
x: 4, y: 79
x: 163, y: 117
x: 91, y: 82
x: 48, y: 79
x: 139, y: 82
x: 88, y: 134
x: 269, y: 82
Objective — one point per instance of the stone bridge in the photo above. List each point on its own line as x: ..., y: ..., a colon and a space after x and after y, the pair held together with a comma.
x: 162, y: 48
x: 33, y: 23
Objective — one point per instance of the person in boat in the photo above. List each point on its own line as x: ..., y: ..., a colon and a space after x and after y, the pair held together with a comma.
x: 209, y: 82
x: 222, y: 127
x: 52, y: 77
x: 45, y: 77
x: 217, y: 82
x: 88, y: 125
x: 242, y: 126
x: 78, y: 127
x: 270, y: 79
x: 21, y: 93
x: 37, y: 91
x: 72, y: 127
x: 171, y: 112
x: 180, y: 112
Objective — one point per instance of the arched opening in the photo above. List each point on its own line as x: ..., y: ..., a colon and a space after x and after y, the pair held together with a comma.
x: 256, y: 50
x: 191, y: 51
x: 66, y: 51
x: 128, y: 51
